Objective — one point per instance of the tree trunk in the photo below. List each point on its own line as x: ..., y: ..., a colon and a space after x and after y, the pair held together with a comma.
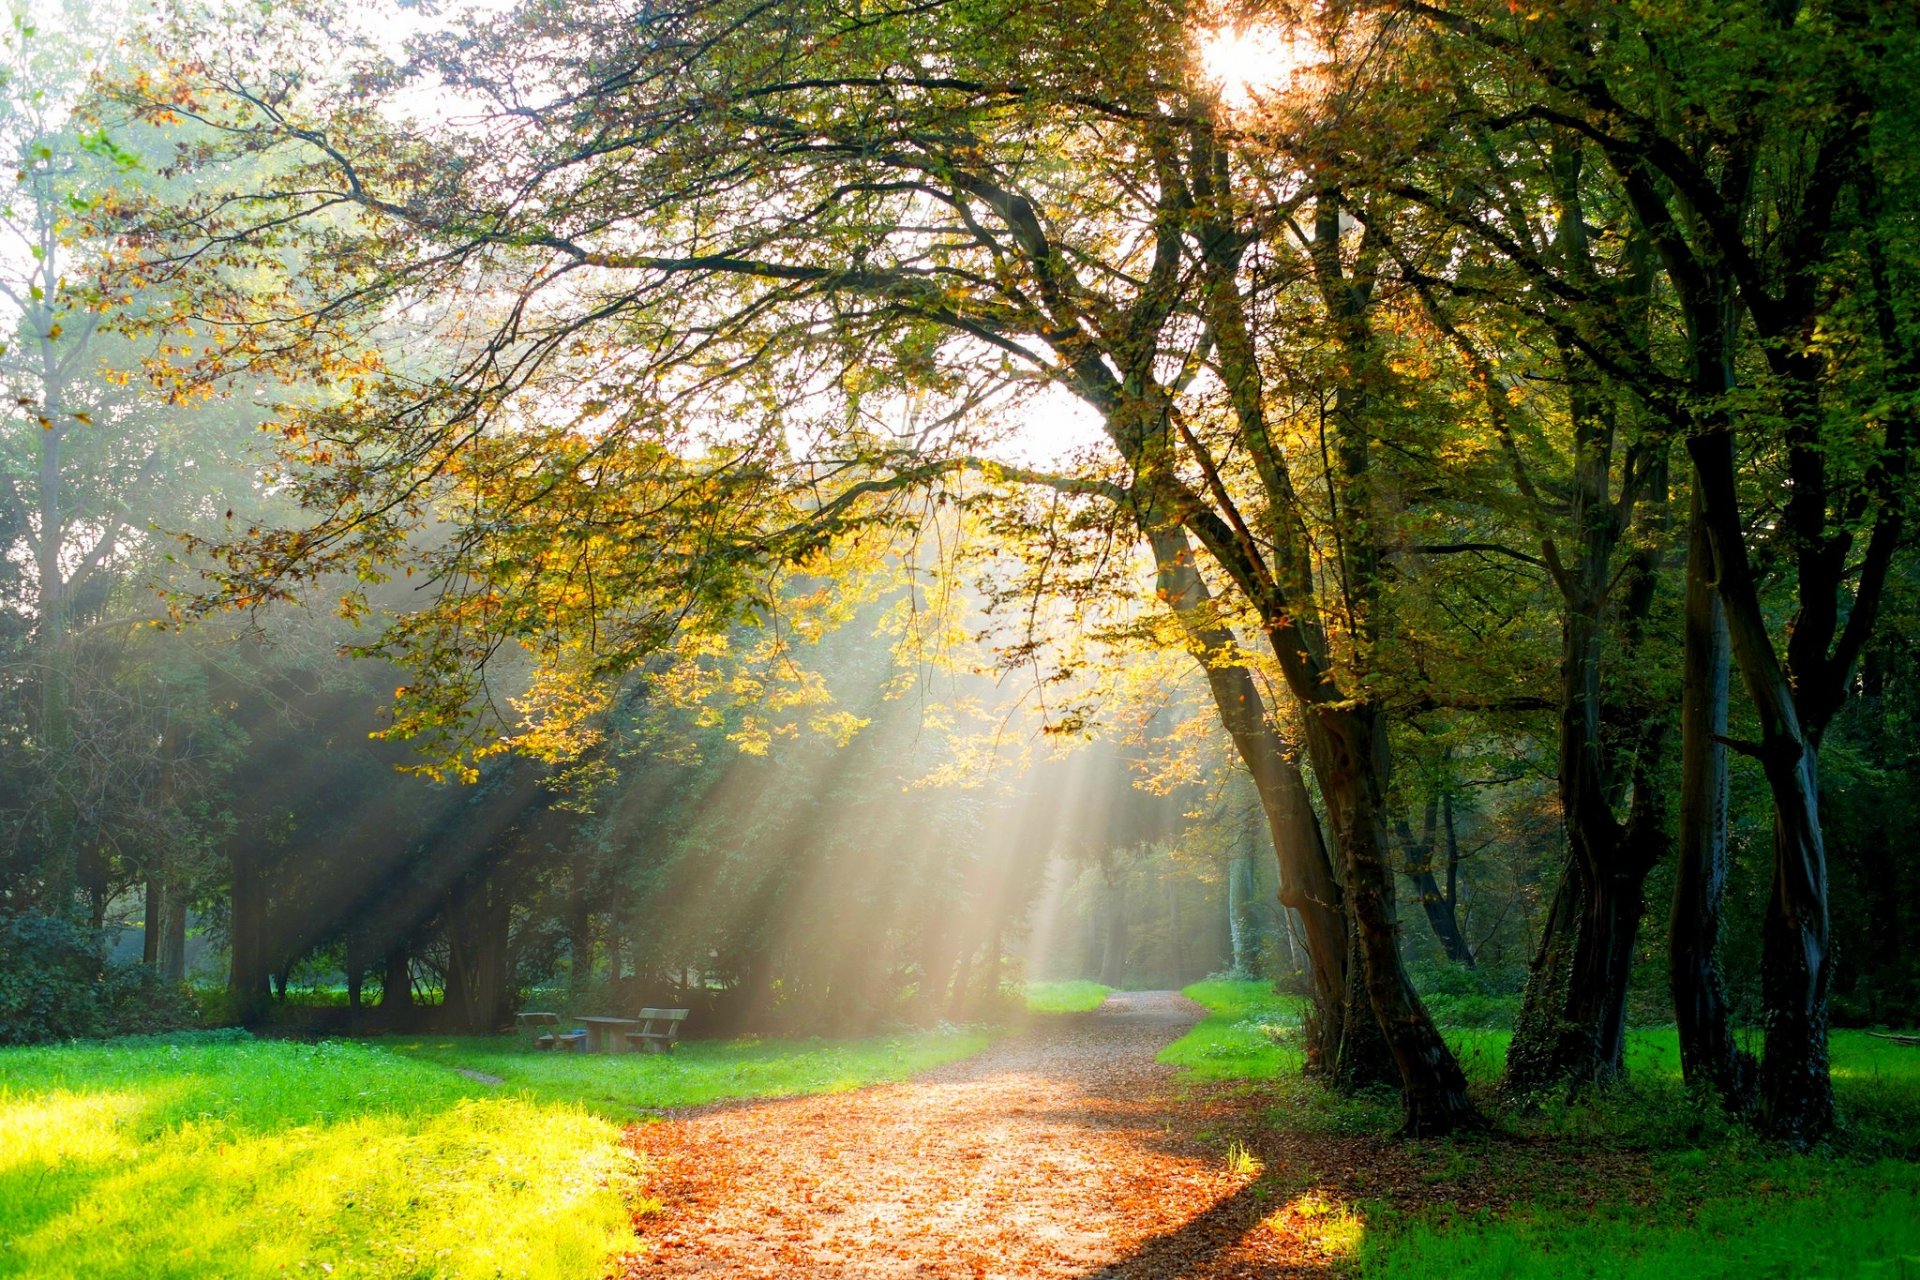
x: 1571, y: 1029
x: 247, y: 971
x: 1438, y: 903
x: 579, y: 933
x: 1796, y: 965
x: 478, y: 997
x: 156, y: 908
x: 1176, y: 944
x: 1362, y: 1059
x: 956, y: 997
x: 936, y: 969
x: 1709, y: 1057
x: 173, y: 937
x: 1239, y: 872
x: 396, y: 989
x: 356, y: 965
x: 1353, y: 778
x: 1113, y: 937
x: 1796, y: 1090
x: 1307, y: 881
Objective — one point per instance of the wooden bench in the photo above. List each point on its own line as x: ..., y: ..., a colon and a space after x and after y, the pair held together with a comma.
x: 659, y: 1030
x: 540, y: 1024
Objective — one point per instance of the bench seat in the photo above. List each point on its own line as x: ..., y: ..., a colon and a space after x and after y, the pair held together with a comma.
x: 659, y: 1030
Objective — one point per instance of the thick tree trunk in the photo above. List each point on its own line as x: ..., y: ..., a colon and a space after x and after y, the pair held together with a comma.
x: 936, y: 970
x: 396, y: 989
x: 955, y: 1004
x: 247, y: 972
x: 1796, y: 965
x: 1176, y: 941
x: 1353, y: 780
x: 163, y: 927
x: 478, y: 996
x: 579, y: 932
x: 356, y: 966
x: 1361, y: 1059
x: 1709, y: 1058
x: 1571, y: 1029
x: 1307, y: 881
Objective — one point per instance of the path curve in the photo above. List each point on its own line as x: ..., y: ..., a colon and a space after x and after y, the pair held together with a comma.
x: 1061, y: 1151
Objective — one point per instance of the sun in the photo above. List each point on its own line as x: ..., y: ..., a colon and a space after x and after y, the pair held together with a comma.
x: 1255, y: 62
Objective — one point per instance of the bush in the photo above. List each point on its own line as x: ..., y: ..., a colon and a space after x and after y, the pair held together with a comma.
x: 1460, y: 997
x: 56, y: 984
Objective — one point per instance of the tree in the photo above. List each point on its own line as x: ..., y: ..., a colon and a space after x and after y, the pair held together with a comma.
x: 1768, y: 227
x: 795, y: 252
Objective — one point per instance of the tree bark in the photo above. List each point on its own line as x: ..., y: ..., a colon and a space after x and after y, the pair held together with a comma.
x: 1709, y: 1058
x: 579, y: 931
x: 247, y: 976
x: 1796, y: 1091
x: 1433, y: 1088
x: 1307, y: 881
x: 479, y: 998
x: 396, y: 989
x: 1176, y: 942
x: 173, y: 937
x: 150, y: 935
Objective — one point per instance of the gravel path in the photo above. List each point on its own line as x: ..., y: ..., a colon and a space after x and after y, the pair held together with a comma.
x: 1059, y: 1152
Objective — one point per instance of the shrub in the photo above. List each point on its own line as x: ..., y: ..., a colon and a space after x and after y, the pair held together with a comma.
x: 1460, y: 997
x: 57, y: 984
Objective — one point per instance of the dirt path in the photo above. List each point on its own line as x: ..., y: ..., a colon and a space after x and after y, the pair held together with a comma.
x: 1060, y: 1152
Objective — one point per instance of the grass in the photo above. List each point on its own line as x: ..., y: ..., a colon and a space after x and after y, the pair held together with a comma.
x: 1064, y: 997
x: 1246, y: 1035
x: 220, y: 1155
x: 1640, y: 1182
x: 623, y: 1086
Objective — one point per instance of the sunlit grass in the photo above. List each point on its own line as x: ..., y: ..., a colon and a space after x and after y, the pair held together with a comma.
x: 223, y: 1156
x: 1248, y: 1034
x: 622, y: 1086
x: 1322, y: 1223
x: 232, y: 1157
x: 1712, y: 1200
x: 1064, y: 997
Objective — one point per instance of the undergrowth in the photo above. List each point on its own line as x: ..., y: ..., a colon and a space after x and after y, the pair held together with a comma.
x: 1641, y: 1180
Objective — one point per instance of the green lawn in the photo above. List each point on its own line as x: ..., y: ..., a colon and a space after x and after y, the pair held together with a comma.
x: 220, y: 1155
x: 1249, y: 1033
x: 1079, y: 996
x: 1693, y: 1196
x: 622, y: 1086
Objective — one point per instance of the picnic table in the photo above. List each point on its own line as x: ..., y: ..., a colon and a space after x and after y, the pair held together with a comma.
x: 546, y: 1032
x: 603, y: 1033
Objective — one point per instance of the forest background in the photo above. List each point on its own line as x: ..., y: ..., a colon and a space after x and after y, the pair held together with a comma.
x: 828, y: 502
